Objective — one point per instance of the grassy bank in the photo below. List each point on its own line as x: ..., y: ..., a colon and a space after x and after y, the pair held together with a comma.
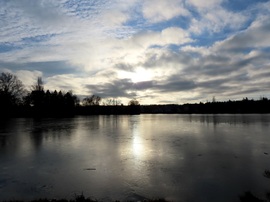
x: 82, y: 198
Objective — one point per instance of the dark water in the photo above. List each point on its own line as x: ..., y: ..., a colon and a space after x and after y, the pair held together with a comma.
x: 176, y: 157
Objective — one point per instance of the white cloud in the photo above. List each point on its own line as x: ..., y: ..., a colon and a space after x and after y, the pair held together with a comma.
x: 209, y: 4
x: 114, y: 18
x: 214, y: 18
x: 67, y: 82
x: 171, y: 35
x: 199, y: 50
x: 161, y: 10
x: 40, y: 11
x: 29, y: 78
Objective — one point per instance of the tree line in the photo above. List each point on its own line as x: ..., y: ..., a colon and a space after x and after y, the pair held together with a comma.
x: 244, y: 106
x: 16, y: 100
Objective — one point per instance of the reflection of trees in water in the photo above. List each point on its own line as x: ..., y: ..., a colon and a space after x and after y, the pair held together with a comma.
x: 231, y: 119
x: 4, y: 128
x: 90, y: 123
x: 9, y: 129
x: 3, y: 140
x: 113, y: 122
x: 51, y: 129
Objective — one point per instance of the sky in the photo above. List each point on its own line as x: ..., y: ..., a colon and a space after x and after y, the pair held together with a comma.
x: 157, y: 51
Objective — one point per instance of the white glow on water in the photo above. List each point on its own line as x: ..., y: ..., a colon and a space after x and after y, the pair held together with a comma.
x: 138, y: 147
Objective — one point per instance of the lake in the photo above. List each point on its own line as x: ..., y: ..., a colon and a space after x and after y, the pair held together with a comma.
x: 189, y: 158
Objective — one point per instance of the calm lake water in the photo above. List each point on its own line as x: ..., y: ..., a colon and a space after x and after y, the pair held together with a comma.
x: 177, y: 157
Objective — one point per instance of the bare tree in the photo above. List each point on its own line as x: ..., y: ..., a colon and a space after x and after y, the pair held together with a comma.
x: 11, y: 88
x: 112, y: 102
x: 133, y: 102
x: 39, y: 85
x: 92, y: 100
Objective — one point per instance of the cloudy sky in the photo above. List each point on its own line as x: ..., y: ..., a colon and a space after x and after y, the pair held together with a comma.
x: 158, y: 51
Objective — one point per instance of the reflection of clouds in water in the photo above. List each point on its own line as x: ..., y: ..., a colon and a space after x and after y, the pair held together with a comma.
x: 177, y: 157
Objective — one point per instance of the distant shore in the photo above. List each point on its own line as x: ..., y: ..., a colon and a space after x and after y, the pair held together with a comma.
x: 244, y: 106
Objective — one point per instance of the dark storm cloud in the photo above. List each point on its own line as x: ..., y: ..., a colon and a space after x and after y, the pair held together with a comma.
x: 157, y: 60
x: 213, y: 65
x: 215, y: 91
x: 216, y: 58
x: 252, y: 86
x: 262, y: 75
x: 124, y: 66
x: 116, y: 88
x: 245, y: 92
x: 144, y: 85
x: 216, y: 83
x: 171, y: 84
x: 175, y: 83
x: 224, y: 86
x: 120, y: 88
x: 215, y: 70
x: 127, y: 88
x: 230, y: 69
x: 223, y: 69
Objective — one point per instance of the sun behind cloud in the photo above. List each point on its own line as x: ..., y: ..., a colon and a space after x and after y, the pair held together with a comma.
x: 187, y: 50
x: 139, y: 75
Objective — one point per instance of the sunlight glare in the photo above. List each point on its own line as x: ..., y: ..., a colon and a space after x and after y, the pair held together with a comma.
x: 138, y: 148
x: 138, y: 75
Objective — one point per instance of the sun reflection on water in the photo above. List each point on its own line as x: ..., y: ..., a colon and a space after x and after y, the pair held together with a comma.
x: 137, y: 143
x: 138, y: 146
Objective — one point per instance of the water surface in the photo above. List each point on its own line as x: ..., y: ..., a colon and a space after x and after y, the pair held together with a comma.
x: 176, y: 157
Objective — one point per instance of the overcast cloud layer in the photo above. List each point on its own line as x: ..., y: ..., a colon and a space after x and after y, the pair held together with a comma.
x: 158, y: 51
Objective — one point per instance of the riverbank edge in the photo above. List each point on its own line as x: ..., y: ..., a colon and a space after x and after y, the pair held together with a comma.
x: 82, y: 198
x: 229, y: 107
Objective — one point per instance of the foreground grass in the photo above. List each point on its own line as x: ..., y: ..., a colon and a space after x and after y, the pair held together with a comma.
x: 81, y: 198
x: 250, y: 197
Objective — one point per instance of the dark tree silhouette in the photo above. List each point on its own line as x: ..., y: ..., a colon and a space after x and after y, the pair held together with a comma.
x: 52, y: 103
x: 41, y: 103
x: 93, y: 100
x: 11, y: 90
x: 39, y: 85
x: 134, y: 106
x: 70, y: 100
x: 37, y: 96
x: 133, y: 102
